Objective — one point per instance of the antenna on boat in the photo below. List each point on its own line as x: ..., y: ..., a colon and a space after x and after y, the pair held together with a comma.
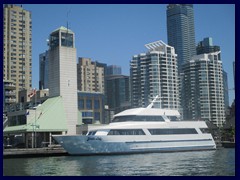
x: 153, y: 101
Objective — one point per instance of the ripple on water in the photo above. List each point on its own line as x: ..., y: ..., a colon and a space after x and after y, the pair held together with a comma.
x: 203, y: 163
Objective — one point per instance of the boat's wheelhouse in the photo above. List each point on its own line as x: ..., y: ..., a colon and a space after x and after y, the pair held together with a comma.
x: 141, y: 118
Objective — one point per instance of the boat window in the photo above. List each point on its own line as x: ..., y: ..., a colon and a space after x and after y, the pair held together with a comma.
x: 123, y: 118
x: 137, y: 118
x: 173, y: 118
x: 126, y: 132
x: 92, y: 133
x: 102, y: 132
x: 172, y: 131
x: 205, y: 130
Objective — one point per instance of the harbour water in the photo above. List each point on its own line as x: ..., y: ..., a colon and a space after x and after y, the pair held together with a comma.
x: 202, y: 163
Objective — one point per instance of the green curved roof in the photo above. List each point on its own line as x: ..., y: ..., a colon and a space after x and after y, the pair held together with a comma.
x: 50, y: 117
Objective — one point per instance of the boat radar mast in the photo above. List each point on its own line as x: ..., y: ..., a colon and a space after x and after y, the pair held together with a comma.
x: 153, y: 101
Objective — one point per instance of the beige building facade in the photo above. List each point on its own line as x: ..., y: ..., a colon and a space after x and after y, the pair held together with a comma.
x: 90, y: 75
x: 17, y: 46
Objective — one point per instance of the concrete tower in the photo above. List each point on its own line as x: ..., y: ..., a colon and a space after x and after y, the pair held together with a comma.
x: 63, y: 73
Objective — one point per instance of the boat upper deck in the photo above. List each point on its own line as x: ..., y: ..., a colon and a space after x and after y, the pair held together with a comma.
x: 148, y: 112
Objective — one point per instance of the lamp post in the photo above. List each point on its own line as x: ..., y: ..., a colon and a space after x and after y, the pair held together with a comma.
x: 33, y: 136
x: 33, y: 93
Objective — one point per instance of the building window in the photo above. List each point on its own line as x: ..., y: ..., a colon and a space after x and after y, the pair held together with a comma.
x: 87, y: 114
x: 89, y: 104
x: 96, y: 104
x: 97, y: 116
x: 22, y: 99
x: 66, y: 39
x: 81, y: 104
x: 87, y: 121
x: 54, y: 40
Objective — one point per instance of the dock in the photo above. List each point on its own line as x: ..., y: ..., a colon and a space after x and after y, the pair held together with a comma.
x: 34, y: 152
x: 228, y: 144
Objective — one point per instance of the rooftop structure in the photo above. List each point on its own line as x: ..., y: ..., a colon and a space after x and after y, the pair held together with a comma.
x: 155, y: 73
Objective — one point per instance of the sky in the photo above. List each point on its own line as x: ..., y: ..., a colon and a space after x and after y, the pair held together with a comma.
x: 113, y: 33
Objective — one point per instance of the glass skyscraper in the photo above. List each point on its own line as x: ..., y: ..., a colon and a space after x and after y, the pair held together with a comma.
x: 225, y: 85
x: 114, y: 70
x: 43, y: 70
x: 206, y: 46
x: 118, y: 93
x: 181, y: 32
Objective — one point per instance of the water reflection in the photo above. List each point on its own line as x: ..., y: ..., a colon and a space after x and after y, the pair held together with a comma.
x: 204, y: 163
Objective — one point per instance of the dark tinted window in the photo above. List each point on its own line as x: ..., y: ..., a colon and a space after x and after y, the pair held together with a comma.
x: 126, y: 132
x: 81, y: 104
x: 66, y: 39
x: 173, y: 118
x: 92, y: 133
x: 54, y: 40
x: 87, y: 121
x: 172, y: 131
x: 137, y: 118
x: 89, y: 104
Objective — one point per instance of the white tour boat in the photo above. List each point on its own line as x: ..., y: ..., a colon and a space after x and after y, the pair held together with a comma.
x: 141, y: 130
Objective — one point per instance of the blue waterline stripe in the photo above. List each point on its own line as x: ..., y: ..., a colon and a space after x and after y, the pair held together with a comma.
x: 190, y: 140
x: 172, y: 149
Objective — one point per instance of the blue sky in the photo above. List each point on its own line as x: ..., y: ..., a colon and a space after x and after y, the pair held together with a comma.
x: 112, y: 34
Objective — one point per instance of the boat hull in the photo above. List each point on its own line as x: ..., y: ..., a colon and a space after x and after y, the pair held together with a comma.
x: 90, y: 145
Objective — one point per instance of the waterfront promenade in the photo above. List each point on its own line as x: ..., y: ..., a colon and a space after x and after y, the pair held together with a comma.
x: 34, y: 152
